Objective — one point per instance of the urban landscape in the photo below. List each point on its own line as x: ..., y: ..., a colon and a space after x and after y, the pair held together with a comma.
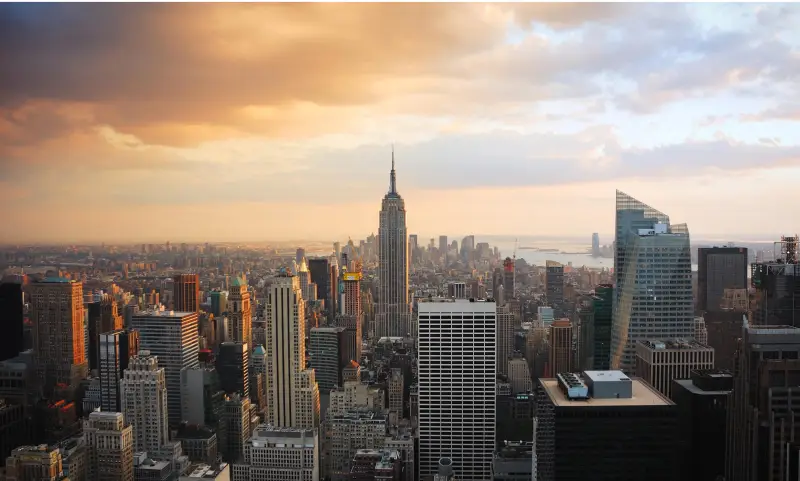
x: 624, y: 351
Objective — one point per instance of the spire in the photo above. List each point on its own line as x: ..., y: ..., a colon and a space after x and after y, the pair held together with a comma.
x: 392, y: 177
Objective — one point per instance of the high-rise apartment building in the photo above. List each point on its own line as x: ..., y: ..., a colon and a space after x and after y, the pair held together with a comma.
x: 760, y: 408
x: 660, y: 362
x: 116, y: 350
x: 328, y: 356
x: 719, y: 268
x: 653, y: 297
x: 561, y: 357
x: 12, y: 342
x: 103, y: 316
x: 240, y: 315
x: 59, y: 343
x: 110, y: 444
x: 172, y: 337
x: 279, y: 454
x: 394, y: 308
x: 603, y: 426
x: 186, y: 292
x: 456, y: 385
x: 292, y: 392
x: 555, y: 287
x: 144, y: 402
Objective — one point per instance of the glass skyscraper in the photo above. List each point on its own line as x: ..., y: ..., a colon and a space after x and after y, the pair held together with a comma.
x: 653, y: 275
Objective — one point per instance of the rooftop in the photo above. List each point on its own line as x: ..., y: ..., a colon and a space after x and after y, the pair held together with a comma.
x: 205, y: 471
x: 675, y: 344
x: 643, y: 395
x: 164, y: 313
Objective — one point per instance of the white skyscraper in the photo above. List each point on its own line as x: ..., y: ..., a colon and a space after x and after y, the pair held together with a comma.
x: 292, y: 392
x: 144, y: 402
x: 394, y: 309
x: 173, y: 338
x: 456, y: 370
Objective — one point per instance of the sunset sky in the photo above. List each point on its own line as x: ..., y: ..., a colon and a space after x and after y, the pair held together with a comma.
x: 154, y: 122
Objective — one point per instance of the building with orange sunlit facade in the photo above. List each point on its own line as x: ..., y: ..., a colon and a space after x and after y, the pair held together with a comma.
x: 561, y: 346
x: 186, y: 292
x: 57, y: 315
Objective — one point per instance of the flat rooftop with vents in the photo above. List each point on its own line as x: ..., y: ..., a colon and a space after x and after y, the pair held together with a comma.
x: 601, y: 388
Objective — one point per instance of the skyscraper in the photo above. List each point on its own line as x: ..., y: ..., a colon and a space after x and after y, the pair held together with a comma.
x: 11, y: 313
x: 292, y: 392
x: 103, y: 317
x: 240, y: 315
x: 719, y: 268
x: 507, y: 325
x: 595, y: 245
x: 233, y: 366
x: 352, y: 316
x: 144, y: 402
x: 328, y: 356
x: 394, y: 309
x: 58, y: 332
x: 653, y: 295
x: 321, y: 276
x: 116, y: 350
x: 561, y: 346
x: 509, y: 278
x: 555, y: 287
x: 173, y: 338
x: 456, y: 369
x: 186, y: 292
x: 110, y: 444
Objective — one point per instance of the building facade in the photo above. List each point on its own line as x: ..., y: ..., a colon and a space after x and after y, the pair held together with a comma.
x: 660, y: 362
x: 719, y: 268
x: 144, y: 402
x: 110, y: 445
x: 279, y: 454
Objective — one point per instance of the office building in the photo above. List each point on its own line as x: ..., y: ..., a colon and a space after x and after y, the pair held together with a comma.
x: 702, y: 402
x: 357, y: 428
x: 328, y: 356
x: 116, y: 350
x: 394, y: 308
x: 443, y: 246
x: 240, y: 315
x: 600, y: 330
x: 509, y: 278
x: 561, y: 356
x: 456, y: 385
x: 777, y: 286
x: 507, y: 325
x: 200, y: 443
x: 279, y: 454
x: 173, y: 338
x: 320, y: 270
x: 352, y: 315
x: 595, y: 245
x: 35, y: 463
x: 144, y: 402
x: 554, y: 282
x: 110, y: 447
x: 457, y: 290
x: 575, y: 440
x: 59, y: 345
x: 513, y: 462
x: 376, y: 465
x: 659, y: 362
x: 724, y: 327
x: 300, y: 255
x: 202, y: 398
x: 207, y: 472
x: 764, y: 390
x: 653, y: 297
x: 545, y: 316
x: 396, y: 388
x: 292, y: 392
x: 519, y: 375
x: 12, y: 342
x: 103, y: 316
x: 233, y: 367
x: 719, y: 268
x: 186, y: 292
x: 219, y: 302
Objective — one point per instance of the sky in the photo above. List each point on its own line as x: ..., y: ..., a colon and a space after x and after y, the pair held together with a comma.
x: 249, y: 122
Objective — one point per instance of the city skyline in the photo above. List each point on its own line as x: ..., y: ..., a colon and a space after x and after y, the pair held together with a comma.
x: 499, y: 108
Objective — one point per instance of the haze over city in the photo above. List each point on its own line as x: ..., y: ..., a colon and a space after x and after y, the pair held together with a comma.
x: 273, y: 122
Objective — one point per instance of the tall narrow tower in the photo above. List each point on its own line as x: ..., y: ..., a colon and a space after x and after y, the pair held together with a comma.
x: 186, y: 292
x: 292, y: 392
x: 394, y: 309
x: 240, y: 316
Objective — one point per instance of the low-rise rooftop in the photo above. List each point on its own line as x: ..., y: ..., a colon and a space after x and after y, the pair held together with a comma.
x: 643, y: 395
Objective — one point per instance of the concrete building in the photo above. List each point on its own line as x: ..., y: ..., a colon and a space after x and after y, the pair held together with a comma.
x: 354, y: 394
x: 236, y: 419
x: 116, y: 350
x: 144, y: 402
x: 59, y: 342
x: 202, y: 397
x: 457, y: 290
x: 207, y: 472
x: 519, y: 375
x: 200, y: 443
x: 507, y: 325
x: 393, y: 309
x: 240, y: 314
x: 561, y: 356
x: 186, y: 292
x: 35, y: 463
x: 513, y: 462
x: 173, y: 338
x: 358, y: 428
x: 279, y: 454
x: 292, y: 392
x: 396, y: 390
x: 376, y: 465
x: 110, y: 446
x: 456, y: 383
x: 575, y: 409
x: 661, y: 362
x: 653, y: 296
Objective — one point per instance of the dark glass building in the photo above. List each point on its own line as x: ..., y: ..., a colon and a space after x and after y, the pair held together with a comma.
x: 719, y: 268
x: 233, y: 366
x: 702, y: 404
x: 555, y: 287
x: 321, y: 276
x: 603, y: 426
x: 12, y: 342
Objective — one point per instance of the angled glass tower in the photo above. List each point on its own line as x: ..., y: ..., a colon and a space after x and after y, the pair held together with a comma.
x: 653, y: 296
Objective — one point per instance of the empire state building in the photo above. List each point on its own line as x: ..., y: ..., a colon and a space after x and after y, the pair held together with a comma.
x: 393, y: 308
